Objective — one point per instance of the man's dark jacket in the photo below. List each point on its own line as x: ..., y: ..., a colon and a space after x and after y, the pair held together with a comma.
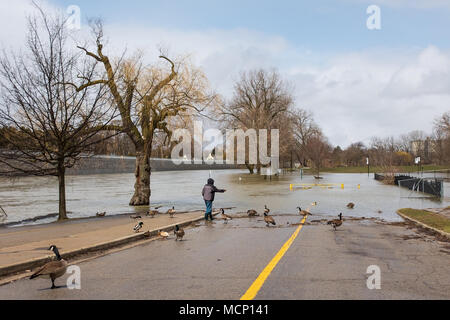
x: 209, y: 191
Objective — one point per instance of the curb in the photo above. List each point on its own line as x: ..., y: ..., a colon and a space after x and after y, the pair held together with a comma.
x: 421, y: 224
x: 34, y: 263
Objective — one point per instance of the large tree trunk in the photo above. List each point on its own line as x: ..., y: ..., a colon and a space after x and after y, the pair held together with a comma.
x: 62, y: 192
x: 142, y: 190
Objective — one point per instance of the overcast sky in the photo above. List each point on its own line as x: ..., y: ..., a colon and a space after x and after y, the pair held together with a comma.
x: 358, y: 83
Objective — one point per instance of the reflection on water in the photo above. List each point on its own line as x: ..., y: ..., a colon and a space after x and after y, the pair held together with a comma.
x: 28, y: 197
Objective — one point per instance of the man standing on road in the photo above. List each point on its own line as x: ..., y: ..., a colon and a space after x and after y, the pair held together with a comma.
x: 208, y: 193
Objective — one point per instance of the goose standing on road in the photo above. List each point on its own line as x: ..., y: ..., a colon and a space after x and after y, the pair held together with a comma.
x: 304, y: 213
x: 53, y: 269
x: 179, y: 232
x: 269, y: 220
x: 225, y: 217
x: 337, y: 222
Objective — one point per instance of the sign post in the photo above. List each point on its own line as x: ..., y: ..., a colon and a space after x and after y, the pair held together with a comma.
x: 368, y: 167
x: 417, y: 160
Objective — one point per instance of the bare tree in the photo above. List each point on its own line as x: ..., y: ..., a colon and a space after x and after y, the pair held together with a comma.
x: 260, y: 97
x: 317, y: 149
x: 48, y: 125
x: 287, y: 142
x: 404, y: 143
x: 337, y: 156
x: 146, y: 98
x: 444, y: 123
x: 441, y: 138
x: 304, y: 128
x: 355, y: 154
x: 383, y: 151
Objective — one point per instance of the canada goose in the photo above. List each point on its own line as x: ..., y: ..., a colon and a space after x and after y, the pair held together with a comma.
x: 100, y: 214
x: 269, y: 220
x: 266, y: 210
x: 163, y: 234
x: 52, y: 269
x: 135, y: 217
x: 304, y: 213
x: 147, y: 234
x: 337, y: 222
x: 351, y: 205
x: 252, y: 213
x: 171, y: 212
x: 152, y: 213
x: 225, y: 217
x: 138, y: 227
x: 179, y: 232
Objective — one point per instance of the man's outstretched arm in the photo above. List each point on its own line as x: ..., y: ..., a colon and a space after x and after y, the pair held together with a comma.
x: 219, y: 190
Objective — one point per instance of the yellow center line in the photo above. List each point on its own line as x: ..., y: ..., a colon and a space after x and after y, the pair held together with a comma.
x: 256, y: 286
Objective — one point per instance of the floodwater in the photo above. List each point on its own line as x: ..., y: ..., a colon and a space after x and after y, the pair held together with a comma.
x: 29, y: 197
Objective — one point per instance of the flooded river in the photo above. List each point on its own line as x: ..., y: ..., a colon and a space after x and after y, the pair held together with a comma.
x: 28, y: 197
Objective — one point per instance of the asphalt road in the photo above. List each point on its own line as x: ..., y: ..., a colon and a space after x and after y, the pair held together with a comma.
x: 221, y: 261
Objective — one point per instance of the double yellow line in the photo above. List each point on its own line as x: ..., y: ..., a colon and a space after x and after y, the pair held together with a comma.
x: 256, y: 286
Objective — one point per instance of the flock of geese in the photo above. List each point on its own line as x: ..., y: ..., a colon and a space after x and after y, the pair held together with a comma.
x: 178, y: 231
x: 151, y: 213
x: 269, y: 220
x: 57, y: 268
